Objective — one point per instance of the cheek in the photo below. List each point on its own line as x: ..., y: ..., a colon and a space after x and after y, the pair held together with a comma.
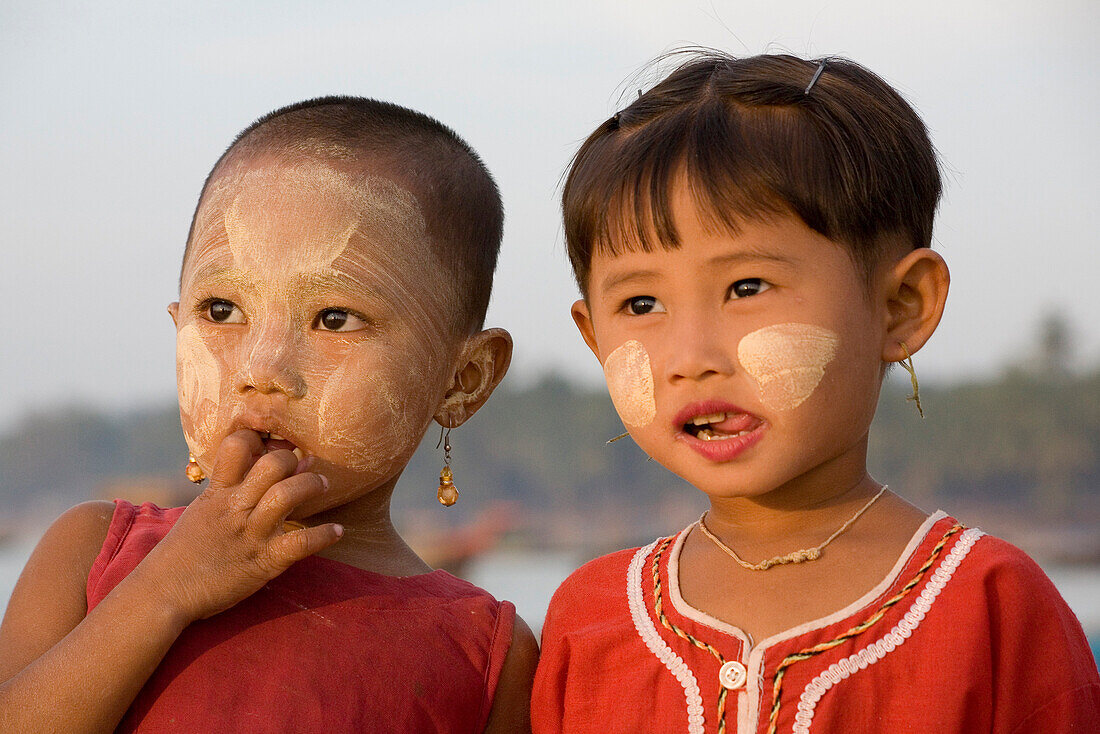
x: 363, y: 412
x: 787, y: 361
x: 198, y: 378
x: 630, y: 383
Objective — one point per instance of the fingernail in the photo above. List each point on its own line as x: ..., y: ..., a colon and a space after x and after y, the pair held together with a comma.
x: 324, y: 481
x: 339, y: 530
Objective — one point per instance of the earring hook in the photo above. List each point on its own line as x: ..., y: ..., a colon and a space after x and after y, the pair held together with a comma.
x: 915, y: 397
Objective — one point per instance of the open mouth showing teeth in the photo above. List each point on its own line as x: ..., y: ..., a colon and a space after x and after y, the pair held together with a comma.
x: 274, y: 442
x: 720, y: 426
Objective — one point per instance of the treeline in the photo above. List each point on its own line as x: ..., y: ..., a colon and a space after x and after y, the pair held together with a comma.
x: 1025, y: 443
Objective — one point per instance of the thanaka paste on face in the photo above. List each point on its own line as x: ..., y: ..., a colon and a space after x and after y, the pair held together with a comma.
x: 282, y: 226
x: 630, y: 382
x: 316, y: 201
x: 198, y: 377
x: 787, y: 361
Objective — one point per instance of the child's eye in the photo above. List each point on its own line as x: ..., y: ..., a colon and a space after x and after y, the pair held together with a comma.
x: 224, y: 312
x: 337, y: 319
x: 642, y: 305
x: 748, y: 287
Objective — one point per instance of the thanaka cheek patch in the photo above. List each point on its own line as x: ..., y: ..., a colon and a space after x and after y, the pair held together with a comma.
x: 787, y: 361
x: 630, y: 382
x: 198, y: 378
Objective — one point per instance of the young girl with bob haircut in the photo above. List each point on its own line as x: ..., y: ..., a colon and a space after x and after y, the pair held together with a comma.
x: 751, y: 239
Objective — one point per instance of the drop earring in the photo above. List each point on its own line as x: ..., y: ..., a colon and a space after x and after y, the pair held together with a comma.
x: 194, y: 471
x: 915, y: 397
x: 447, y: 494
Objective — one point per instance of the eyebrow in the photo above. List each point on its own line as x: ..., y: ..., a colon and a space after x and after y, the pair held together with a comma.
x: 732, y: 258
x: 305, y: 284
x: 318, y: 283
x: 220, y: 275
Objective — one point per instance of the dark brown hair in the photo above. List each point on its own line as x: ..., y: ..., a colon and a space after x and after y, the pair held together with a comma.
x: 849, y: 157
x: 456, y: 193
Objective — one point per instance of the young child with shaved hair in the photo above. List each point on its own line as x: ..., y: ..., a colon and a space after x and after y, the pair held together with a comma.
x: 752, y: 238
x: 332, y: 296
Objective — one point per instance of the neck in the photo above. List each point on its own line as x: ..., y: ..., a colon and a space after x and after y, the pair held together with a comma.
x: 370, y: 540
x: 799, y: 513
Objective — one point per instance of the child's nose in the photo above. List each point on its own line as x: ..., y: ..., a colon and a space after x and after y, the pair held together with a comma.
x: 271, y: 364
x: 697, y: 351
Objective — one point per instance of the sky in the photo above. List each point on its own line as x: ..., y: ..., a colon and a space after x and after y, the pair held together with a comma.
x: 112, y: 114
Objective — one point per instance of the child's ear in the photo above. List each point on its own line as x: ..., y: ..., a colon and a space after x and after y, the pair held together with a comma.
x: 583, y: 319
x: 482, y: 366
x: 916, y: 292
x: 174, y: 312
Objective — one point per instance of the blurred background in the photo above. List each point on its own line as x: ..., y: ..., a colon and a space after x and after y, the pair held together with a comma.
x: 112, y: 114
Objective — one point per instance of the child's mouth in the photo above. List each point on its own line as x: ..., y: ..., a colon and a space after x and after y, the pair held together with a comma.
x: 720, y: 426
x: 274, y: 442
x: 717, y: 430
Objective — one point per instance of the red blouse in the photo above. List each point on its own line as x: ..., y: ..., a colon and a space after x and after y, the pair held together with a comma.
x: 966, y: 634
x: 323, y: 647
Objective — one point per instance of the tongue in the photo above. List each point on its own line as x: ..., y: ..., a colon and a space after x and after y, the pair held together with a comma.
x: 734, y: 424
x: 276, y: 444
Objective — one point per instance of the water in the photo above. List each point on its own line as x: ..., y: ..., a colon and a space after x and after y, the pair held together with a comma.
x: 528, y: 579
x: 12, y: 559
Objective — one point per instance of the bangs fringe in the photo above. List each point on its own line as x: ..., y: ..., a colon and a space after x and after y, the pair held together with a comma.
x: 852, y: 161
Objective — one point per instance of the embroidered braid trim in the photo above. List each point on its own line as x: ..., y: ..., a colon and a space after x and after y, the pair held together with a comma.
x: 658, y: 607
x: 860, y: 628
x: 652, y: 639
x: 874, y: 652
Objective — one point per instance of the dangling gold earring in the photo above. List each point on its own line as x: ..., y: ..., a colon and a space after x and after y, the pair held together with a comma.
x: 194, y: 471
x: 915, y: 397
x: 447, y: 494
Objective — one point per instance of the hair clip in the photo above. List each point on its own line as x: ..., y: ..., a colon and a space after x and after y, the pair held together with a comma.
x: 817, y: 75
x: 613, y: 123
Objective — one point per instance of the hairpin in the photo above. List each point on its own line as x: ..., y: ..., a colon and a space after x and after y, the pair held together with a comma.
x: 817, y: 75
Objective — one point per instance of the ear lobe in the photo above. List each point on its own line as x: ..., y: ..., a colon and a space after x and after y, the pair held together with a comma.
x: 482, y: 365
x: 916, y: 296
x: 582, y: 317
x: 174, y: 312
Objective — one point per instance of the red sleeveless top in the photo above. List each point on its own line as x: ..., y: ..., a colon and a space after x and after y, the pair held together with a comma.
x: 323, y: 647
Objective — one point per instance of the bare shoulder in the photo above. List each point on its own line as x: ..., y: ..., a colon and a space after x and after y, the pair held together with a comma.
x: 512, y: 702
x: 50, y: 599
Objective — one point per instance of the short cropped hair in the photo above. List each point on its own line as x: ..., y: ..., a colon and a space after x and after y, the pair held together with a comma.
x: 848, y: 156
x: 458, y: 198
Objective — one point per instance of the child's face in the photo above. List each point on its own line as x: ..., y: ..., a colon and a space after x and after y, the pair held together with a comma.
x: 311, y: 308
x: 738, y: 362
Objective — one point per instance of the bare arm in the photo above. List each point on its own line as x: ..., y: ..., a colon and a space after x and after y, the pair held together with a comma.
x: 64, y: 669
x: 512, y: 703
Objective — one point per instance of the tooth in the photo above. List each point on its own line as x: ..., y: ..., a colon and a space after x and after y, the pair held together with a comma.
x: 702, y: 420
x: 299, y: 453
x: 275, y: 437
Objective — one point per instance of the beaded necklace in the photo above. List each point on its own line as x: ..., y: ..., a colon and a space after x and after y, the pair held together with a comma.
x: 799, y: 556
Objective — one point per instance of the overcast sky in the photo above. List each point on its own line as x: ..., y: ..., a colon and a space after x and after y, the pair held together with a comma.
x: 113, y: 112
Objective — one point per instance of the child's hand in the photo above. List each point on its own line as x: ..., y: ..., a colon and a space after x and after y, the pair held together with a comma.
x: 230, y: 541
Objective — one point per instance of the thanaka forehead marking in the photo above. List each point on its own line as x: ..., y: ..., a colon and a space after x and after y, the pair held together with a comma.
x: 283, y: 219
x: 630, y: 383
x: 308, y: 211
x: 787, y: 361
